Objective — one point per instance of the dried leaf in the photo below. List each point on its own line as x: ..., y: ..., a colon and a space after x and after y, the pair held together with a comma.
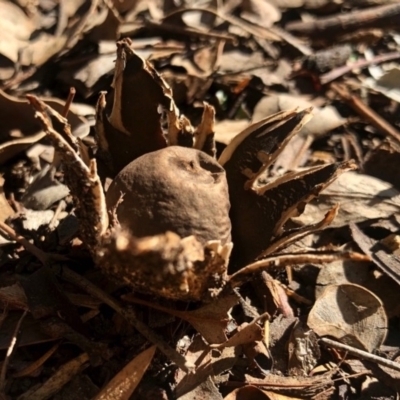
x: 86, y: 76
x: 351, y: 314
x: 382, y: 259
x: 44, y: 190
x: 14, y: 296
x: 227, y: 129
x: 210, y: 320
x: 342, y: 271
x: 260, y: 12
x: 125, y: 382
x: 278, y: 295
x: 208, y: 364
x: 387, y: 84
x: 361, y: 197
x: 246, y: 333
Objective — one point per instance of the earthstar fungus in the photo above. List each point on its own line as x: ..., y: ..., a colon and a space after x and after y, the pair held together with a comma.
x: 167, y: 222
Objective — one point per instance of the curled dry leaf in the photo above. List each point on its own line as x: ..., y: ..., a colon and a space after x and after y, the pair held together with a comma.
x: 125, y: 382
x: 351, y: 314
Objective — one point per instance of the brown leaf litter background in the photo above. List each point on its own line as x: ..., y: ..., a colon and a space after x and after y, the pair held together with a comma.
x: 260, y: 259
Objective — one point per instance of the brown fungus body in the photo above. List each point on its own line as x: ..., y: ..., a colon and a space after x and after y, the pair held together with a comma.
x: 176, y: 189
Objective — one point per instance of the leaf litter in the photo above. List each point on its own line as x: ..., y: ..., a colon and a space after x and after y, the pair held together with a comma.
x: 259, y: 259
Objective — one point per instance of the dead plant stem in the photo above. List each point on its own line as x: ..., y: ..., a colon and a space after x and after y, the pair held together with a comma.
x: 10, y: 351
x: 361, y: 354
x: 368, y: 113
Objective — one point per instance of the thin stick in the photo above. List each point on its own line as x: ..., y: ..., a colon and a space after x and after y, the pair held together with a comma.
x: 70, y: 99
x: 10, y: 351
x: 338, y: 72
x: 368, y: 113
x: 357, y: 19
x: 361, y: 354
x: 281, y: 261
x: 255, y: 30
x: 189, y: 31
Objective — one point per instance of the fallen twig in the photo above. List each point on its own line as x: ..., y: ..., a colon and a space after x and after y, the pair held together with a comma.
x: 9, y: 351
x: 361, y: 354
x: 365, y: 111
x: 338, y: 72
x: 282, y: 260
x: 61, y: 377
x: 350, y: 21
x: 70, y: 99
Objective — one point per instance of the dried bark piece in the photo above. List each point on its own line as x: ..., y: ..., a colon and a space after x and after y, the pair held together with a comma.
x: 361, y: 197
x: 175, y: 189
